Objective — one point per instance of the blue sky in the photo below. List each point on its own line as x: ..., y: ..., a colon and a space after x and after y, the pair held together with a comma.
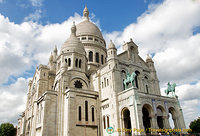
x: 58, y: 11
x: 169, y: 30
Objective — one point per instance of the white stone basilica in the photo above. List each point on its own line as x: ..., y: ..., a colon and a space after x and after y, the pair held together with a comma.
x: 81, y: 91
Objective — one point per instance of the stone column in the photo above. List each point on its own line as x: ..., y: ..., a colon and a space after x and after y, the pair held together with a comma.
x: 121, y: 126
x: 154, y: 124
x: 166, y: 122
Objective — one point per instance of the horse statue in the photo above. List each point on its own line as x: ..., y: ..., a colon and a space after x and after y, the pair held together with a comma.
x: 170, y: 88
x: 129, y: 79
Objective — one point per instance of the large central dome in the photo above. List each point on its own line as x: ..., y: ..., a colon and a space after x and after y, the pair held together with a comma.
x: 88, y: 28
x: 91, y: 38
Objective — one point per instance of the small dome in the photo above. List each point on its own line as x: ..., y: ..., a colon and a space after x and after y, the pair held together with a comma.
x: 73, y: 43
x: 148, y: 58
x: 111, y: 45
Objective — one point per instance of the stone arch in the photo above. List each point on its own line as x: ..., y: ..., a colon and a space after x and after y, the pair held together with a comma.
x: 126, y: 120
x: 147, y: 112
x: 173, y: 113
x: 162, y: 108
x: 160, y: 116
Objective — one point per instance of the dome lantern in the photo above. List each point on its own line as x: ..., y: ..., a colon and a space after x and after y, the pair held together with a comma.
x: 86, y: 13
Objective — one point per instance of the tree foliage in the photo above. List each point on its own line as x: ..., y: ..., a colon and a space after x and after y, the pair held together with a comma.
x: 7, y: 129
x: 195, y: 126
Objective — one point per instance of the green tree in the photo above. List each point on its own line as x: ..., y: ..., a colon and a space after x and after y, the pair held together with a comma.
x: 195, y: 126
x: 7, y: 129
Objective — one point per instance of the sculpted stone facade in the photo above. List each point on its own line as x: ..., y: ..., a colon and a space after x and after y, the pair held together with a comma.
x: 81, y: 92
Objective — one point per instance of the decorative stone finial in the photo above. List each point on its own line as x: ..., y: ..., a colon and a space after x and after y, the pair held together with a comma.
x: 111, y: 45
x: 86, y: 13
x: 131, y: 40
x: 148, y: 58
x: 55, y: 49
x: 73, y: 29
x: 51, y: 58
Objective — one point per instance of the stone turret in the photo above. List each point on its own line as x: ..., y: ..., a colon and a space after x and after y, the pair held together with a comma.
x: 132, y: 50
x: 153, y: 75
x: 111, y: 51
x: 150, y: 64
x: 55, y: 52
x: 52, y: 62
x: 73, y: 53
x: 112, y: 58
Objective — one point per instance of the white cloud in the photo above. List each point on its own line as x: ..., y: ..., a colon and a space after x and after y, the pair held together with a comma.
x: 166, y: 30
x: 36, y: 3
x: 34, y: 17
x: 28, y: 43
x: 189, y: 98
x: 13, y: 100
x: 24, y: 46
x: 1, y: 1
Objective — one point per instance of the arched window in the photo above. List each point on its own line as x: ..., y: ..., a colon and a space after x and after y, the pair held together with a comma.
x: 136, y: 79
x: 86, y: 110
x: 69, y: 62
x: 147, y: 89
x: 76, y: 63
x: 146, y: 84
x: 90, y: 56
x: 79, y: 63
x: 66, y: 60
x: 104, y: 122
x: 123, y: 75
x: 97, y: 57
x: 93, y: 114
x: 102, y: 59
x: 102, y: 84
x: 107, y: 83
x: 79, y: 113
x: 108, y: 122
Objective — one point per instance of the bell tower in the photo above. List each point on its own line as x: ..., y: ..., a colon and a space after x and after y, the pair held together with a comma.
x: 153, y: 75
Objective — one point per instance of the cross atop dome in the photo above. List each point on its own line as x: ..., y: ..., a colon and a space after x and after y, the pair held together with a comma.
x: 86, y: 13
